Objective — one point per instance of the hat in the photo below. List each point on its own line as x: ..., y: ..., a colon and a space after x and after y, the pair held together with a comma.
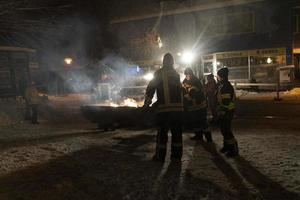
x: 188, y: 71
x: 168, y: 60
x: 223, y: 72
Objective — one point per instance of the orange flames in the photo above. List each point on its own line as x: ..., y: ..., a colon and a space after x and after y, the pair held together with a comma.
x: 127, y: 102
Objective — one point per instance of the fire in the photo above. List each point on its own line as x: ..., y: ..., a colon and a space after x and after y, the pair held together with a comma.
x: 113, y: 104
x: 126, y: 102
x: 130, y: 102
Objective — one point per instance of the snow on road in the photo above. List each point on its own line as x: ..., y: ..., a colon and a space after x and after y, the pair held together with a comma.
x: 83, y: 164
x: 65, y: 157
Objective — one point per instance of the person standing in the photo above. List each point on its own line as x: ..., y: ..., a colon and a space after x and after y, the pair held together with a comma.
x: 225, y: 105
x: 210, y: 90
x: 32, y: 99
x: 169, y: 106
x: 195, y: 106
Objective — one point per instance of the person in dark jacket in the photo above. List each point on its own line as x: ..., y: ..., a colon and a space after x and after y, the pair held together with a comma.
x: 169, y: 107
x: 210, y: 90
x: 225, y: 105
x: 195, y: 107
x: 33, y: 100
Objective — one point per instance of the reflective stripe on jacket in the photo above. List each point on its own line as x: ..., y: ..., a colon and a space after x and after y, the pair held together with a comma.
x: 166, y: 83
x: 225, y: 96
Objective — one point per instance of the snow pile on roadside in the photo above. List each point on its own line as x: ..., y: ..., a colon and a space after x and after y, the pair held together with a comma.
x: 11, y: 111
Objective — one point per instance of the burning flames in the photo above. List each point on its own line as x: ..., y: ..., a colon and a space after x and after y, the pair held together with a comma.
x: 130, y: 103
x: 127, y: 102
x: 113, y: 104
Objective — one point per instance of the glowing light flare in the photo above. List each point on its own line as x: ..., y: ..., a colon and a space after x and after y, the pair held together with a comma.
x: 149, y: 76
x: 269, y: 60
x: 130, y: 103
x: 160, y: 44
x: 68, y: 61
x: 113, y: 105
x: 188, y: 57
x: 182, y: 76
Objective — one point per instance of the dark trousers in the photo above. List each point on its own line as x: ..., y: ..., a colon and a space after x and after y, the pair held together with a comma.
x: 213, y: 105
x: 169, y: 121
x: 34, y: 116
x: 31, y: 113
x: 230, y: 145
x: 225, y: 125
x: 27, y: 111
x: 196, y: 120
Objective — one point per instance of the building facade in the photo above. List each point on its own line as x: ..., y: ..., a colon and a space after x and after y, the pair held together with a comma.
x: 250, y: 37
x: 17, y: 66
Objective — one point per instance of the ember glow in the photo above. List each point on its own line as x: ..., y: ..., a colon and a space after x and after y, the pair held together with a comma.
x: 113, y: 104
x: 126, y: 102
x: 130, y: 103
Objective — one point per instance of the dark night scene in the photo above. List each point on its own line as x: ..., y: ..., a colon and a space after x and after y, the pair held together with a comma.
x: 150, y: 100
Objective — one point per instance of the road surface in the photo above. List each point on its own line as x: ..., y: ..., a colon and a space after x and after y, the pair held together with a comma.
x: 65, y: 157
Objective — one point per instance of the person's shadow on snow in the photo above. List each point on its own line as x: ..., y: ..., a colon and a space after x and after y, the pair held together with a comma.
x: 268, y: 188
x: 228, y: 171
x: 168, y: 186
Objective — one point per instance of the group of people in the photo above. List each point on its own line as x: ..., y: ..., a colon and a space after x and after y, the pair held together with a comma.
x: 184, y: 104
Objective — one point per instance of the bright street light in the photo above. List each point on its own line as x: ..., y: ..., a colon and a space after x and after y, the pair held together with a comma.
x: 269, y: 60
x: 149, y: 76
x: 68, y: 61
x: 188, y: 57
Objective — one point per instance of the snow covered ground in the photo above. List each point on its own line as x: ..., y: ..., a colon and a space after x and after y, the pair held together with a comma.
x: 65, y: 157
x: 290, y: 95
x: 117, y: 165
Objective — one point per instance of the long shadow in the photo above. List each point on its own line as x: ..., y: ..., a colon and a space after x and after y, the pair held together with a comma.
x: 228, y: 171
x: 130, y: 144
x: 194, y: 188
x: 168, y: 185
x: 94, y: 173
x: 5, y: 144
x: 269, y: 189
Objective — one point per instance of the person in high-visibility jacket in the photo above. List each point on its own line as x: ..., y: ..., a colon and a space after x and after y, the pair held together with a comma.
x: 225, y: 99
x: 33, y: 100
x: 195, y: 107
x: 169, y: 107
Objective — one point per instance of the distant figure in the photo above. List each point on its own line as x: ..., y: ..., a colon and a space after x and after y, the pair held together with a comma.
x: 195, y: 107
x: 211, y: 89
x: 32, y: 99
x: 166, y: 83
x: 225, y: 98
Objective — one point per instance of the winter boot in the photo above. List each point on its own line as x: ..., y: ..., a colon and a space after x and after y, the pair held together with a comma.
x: 225, y: 148
x: 208, y: 137
x: 233, y: 150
